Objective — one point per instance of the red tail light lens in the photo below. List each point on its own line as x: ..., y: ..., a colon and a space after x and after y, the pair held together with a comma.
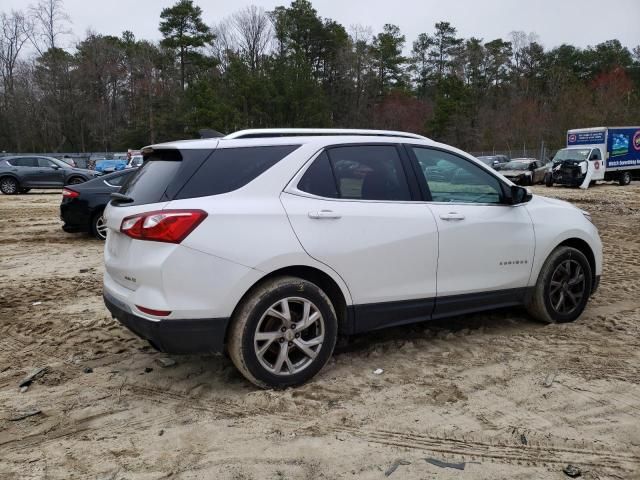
x: 170, y: 226
x: 66, y: 193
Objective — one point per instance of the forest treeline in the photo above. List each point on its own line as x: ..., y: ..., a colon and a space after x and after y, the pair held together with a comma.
x: 291, y: 67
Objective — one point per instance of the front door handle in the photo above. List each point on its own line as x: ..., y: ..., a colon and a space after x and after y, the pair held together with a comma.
x: 452, y: 216
x: 324, y: 214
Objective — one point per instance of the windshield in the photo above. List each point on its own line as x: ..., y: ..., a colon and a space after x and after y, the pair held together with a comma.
x: 572, y: 154
x: 515, y: 166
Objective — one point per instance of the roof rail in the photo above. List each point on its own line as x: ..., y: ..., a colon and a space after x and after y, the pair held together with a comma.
x: 315, y: 132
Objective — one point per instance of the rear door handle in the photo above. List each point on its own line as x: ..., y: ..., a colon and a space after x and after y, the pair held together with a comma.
x: 324, y: 214
x: 452, y: 216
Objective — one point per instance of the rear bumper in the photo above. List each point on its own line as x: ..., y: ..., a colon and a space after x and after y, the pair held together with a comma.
x: 202, y: 335
x: 76, y: 217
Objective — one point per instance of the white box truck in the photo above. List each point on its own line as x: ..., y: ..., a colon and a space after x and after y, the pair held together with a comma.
x: 600, y: 153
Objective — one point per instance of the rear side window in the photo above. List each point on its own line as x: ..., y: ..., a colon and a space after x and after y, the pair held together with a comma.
x: 318, y: 179
x: 228, y: 169
x: 361, y: 172
x: 25, y: 162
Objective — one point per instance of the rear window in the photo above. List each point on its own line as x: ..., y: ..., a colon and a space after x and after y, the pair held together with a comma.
x: 178, y: 174
x: 117, y: 180
x: 228, y: 169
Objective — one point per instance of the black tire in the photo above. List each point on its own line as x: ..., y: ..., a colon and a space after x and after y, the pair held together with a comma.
x: 548, y: 180
x: 541, y: 302
x: 97, y: 230
x: 25, y: 190
x: 9, y: 186
x: 624, y: 179
x: 251, y: 314
x: 75, y: 180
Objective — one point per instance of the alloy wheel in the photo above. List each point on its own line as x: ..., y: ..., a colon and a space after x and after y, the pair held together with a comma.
x: 9, y: 186
x: 567, y: 287
x: 101, y: 227
x: 289, y: 336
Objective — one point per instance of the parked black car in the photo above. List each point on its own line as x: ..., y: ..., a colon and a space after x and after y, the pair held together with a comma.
x: 494, y: 161
x: 82, y: 205
x: 19, y: 174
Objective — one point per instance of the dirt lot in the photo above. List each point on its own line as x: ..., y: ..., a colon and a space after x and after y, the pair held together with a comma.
x: 467, y: 389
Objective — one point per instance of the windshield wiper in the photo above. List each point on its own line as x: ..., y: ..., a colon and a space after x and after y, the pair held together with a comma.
x: 121, y: 198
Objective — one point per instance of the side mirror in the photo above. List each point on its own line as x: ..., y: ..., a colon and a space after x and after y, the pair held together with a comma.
x: 519, y: 195
x: 55, y: 167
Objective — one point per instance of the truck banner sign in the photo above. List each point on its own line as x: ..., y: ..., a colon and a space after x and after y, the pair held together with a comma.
x: 623, y: 146
x: 585, y: 138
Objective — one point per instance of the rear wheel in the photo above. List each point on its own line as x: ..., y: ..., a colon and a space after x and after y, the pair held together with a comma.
x: 98, y: 226
x: 9, y: 185
x: 563, y: 287
x: 283, y: 333
x: 625, y: 178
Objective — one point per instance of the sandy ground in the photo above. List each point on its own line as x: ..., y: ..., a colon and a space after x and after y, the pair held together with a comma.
x: 469, y: 389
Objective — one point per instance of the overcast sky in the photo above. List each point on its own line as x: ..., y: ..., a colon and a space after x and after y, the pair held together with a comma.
x: 578, y: 22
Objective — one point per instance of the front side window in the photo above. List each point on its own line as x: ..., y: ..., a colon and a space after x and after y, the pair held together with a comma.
x: 595, y: 154
x: 450, y: 178
x: 44, y: 162
x: 360, y: 172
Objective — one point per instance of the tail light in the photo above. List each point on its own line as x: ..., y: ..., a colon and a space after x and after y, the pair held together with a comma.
x: 67, y: 193
x: 170, y: 226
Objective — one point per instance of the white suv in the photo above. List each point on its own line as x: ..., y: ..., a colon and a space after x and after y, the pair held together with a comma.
x: 268, y: 244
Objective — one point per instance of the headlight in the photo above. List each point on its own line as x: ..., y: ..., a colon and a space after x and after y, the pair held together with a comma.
x: 587, y: 215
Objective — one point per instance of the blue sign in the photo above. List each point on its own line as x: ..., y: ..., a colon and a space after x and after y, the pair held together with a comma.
x: 585, y: 138
x: 623, y: 146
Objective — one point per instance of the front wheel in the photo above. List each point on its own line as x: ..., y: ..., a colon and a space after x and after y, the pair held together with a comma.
x: 283, y: 333
x: 9, y: 186
x: 563, y: 287
x: 625, y: 178
x: 75, y: 181
x: 548, y: 180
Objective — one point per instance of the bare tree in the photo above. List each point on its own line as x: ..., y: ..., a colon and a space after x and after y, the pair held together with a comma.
x: 14, y: 32
x: 50, y: 22
x: 519, y: 42
x: 253, y: 31
x: 224, y: 43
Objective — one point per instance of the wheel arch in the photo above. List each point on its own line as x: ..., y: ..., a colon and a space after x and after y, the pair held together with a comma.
x: 12, y: 175
x: 585, y: 248
x: 74, y: 176
x: 316, y: 276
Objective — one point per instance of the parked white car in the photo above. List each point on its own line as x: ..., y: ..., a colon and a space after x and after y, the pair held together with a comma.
x: 267, y: 244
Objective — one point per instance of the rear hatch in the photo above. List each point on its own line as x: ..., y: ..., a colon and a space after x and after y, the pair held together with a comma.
x: 155, y: 184
x: 169, y: 175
